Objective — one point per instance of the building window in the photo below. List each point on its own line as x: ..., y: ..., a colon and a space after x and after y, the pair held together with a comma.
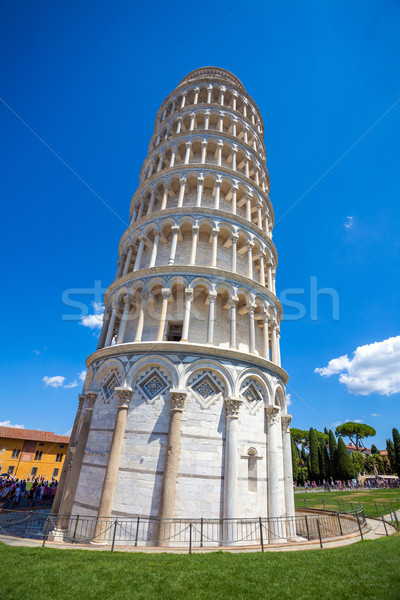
x: 252, y: 470
x: 38, y: 455
x: 59, y: 457
x: 174, y: 333
x: 10, y: 470
x: 34, y: 471
x: 61, y: 446
x: 56, y: 472
x: 41, y: 443
x: 15, y: 453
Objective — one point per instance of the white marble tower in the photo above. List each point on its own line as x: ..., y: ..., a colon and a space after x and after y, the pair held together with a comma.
x: 183, y: 411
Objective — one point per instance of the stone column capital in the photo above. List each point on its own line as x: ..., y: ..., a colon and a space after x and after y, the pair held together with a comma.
x: 188, y: 293
x: 175, y: 228
x: 233, y: 300
x: 182, y: 180
x: 286, y: 420
x: 195, y: 229
x: 166, y: 293
x: 212, y: 296
x: 235, y: 237
x: 124, y: 395
x: 232, y: 407
x: 127, y: 299
x: 272, y: 413
x: 91, y: 397
x: 177, y: 398
x: 189, y: 143
x: 81, y: 400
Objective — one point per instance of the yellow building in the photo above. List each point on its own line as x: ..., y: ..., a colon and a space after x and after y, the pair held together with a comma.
x: 28, y: 453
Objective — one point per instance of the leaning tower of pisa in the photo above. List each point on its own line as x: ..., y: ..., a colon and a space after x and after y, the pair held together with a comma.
x: 183, y: 412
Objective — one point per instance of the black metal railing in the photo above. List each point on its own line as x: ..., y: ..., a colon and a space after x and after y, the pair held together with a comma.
x: 184, y: 533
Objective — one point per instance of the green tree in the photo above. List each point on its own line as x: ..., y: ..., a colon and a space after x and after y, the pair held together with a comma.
x: 355, y: 432
x: 374, y: 450
x: 314, y: 462
x: 344, y: 462
x: 391, y: 455
x: 295, y: 458
x: 321, y: 460
x: 327, y: 463
x: 300, y: 437
x: 396, y: 443
x: 332, y: 455
x: 358, y: 462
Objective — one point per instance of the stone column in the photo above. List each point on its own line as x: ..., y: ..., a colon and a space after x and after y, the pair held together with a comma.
x: 288, y: 475
x: 154, y: 250
x: 206, y: 120
x: 128, y: 261
x: 274, y: 354
x: 265, y: 338
x: 262, y: 268
x: 211, y: 317
x: 124, y: 319
x: 203, y: 152
x: 77, y: 457
x: 269, y: 271
x: 234, y: 153
x: 106, y: 322
x: 174, y: 241
x: 252, y: 330
x: 151, y: 202
x: 171, y: 464
x: 214, y: 247
x: 181, y: 191
x: 187, y: 154
x: 192, y: 121
x: 220, y: 145
x: 235, y: 237
x: 68, y: 457
x: 278, y: 347
x: 141, y: 207
x: 250, y: 246
x: 124, y: 395
x: 248, y: 206
x: 164, y: 201
x: 111, y: 325
x: 139, y: 253
x: 186, y: 319
x: 195, y: 237
x: 217, y: 193
x: 166, y: 293
x: 173, y: 154
x: 275, y: 474
x: 232, y: 406
x: 232, y: 320
x: 259, y: 214
x: 139, y: 328
x: 200, y: 182
x: 234, y: 198
x: 120, y: 267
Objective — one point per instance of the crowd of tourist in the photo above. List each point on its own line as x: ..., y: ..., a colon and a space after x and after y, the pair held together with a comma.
x: 16, y: 493
x: 352, y: 484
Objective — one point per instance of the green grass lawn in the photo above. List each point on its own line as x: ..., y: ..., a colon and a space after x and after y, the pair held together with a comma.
x: 368, y: 498
x: 363, y: 571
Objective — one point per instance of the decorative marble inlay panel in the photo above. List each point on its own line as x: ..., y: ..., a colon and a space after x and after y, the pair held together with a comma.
x: 109, y: 385
x: 252, y: 394
x: 206, y: 387
x: 152, y: 384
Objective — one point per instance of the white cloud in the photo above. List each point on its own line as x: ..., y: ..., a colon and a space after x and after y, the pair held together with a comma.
x: 82, y: 375
x: 375, y: 415
x: 349, y: 222
x: 288, y: 399
x: 56, y: 381
x: 68, y: 432
x: 373, y: 369
x: 37, y: 352
x: 9, y: 424
x: 357, y: 421
x: 71, y: 385
x: 94, y: 321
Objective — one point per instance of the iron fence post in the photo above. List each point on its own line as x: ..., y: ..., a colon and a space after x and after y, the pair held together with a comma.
x: 319, y: 533
x: 261, y: 534
x: 76, y: 526
x: 308, y: 529
x: 340, y: 524
x: 201, y: 532
x: 27, y: 524
x: 190, y: 538
x: 359, y: 525
x: 384, y: 523
x: 137, y: 531
x: 46, y: 532
x: 114, y: 534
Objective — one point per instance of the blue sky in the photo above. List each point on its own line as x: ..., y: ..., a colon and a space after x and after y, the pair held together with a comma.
x: 88, y: 78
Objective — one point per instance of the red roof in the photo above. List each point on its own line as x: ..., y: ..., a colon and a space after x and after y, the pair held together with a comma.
x: 31, y: 434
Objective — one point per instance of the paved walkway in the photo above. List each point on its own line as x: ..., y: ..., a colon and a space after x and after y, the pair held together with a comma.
x: 375, y: 530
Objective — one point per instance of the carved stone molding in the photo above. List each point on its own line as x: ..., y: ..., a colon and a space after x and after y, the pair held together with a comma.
x: 91, y: 397
x: 177, y: 399
x: 124, y: 395
x: 272, y: 413
x: 232, y: 407
x: 286, y: 420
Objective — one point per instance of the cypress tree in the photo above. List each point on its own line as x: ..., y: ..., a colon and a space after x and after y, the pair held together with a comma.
x: 326, y: 431
x: 294, y: 459
x: 344, y: 462
x: 327, y: 463
x: 374, y: 450
x: 321, y: 460
x: 314, y: 462
x: 332, y: 454
x: 396, y: 443
x: 391, y: 455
